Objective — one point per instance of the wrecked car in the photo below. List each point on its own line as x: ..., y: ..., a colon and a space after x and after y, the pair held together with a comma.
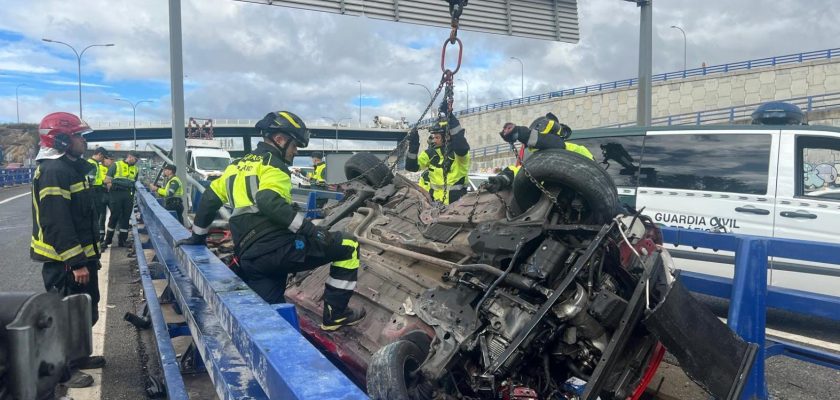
x: 551, y: 290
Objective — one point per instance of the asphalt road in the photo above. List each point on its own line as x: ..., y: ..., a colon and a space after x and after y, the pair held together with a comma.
x: 17, y: 272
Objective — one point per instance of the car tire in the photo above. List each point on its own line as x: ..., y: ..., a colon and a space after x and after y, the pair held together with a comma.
x: 374, y: 170
x: 389, y: 369
x: 563, y: 169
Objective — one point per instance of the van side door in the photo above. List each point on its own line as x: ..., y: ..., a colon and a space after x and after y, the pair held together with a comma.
x: 719, y: 180
x: 808, y: 206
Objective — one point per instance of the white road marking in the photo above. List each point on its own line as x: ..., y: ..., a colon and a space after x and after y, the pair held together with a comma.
x: 799, y: 339
x: 94, y: 392
x: 14, y: 197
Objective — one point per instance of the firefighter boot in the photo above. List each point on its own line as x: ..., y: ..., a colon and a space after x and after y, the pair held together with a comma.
x: 333, y: 320
x: 109, y: 237
x: 122, y: 238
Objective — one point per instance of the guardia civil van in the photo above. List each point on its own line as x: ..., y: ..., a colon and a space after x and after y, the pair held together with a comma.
x: 775, y: 179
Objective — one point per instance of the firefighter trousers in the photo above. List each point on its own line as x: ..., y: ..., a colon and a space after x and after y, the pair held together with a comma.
x: 267, y: 274
x: 59, y: 279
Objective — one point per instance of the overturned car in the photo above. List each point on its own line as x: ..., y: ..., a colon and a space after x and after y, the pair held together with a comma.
x: 551, y: 290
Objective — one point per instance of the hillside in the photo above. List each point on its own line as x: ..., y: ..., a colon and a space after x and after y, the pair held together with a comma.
x: 18, y: 142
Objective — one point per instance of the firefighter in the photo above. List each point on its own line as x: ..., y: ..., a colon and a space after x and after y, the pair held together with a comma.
x: 172, y: 192
x: 316, y: 177
x: 102, y: 212
x: 544, y: 133
x: 64, y: 221
x: 96, y: 177
x: 120, y: 179
x: 447, y: 179
x: 271, y: 238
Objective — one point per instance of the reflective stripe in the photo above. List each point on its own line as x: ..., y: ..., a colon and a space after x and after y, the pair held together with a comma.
x: 199, y: 230
x: 48, y: 251
x: 89, y: 251
x: 229, y: 183
x: 123, y: 230
x: 253, y: 185
x: 252, y: 209
x: 290, y: 119
x: 341, y: 284
x: 548, y: 127
x: 450, y: 187
x: 532, y: 140
x: 353, y: 261
x: 296, y: 223
x: 77, y: 187
x: 412, y: 156
x: 53, y: 191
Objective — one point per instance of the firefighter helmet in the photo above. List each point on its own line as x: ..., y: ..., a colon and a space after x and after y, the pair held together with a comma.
x: 56, y: 128
x: 286, y: 123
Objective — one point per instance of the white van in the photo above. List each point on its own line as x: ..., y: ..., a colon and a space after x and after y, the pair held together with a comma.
x: 206, y: 158
x: 773, y: 181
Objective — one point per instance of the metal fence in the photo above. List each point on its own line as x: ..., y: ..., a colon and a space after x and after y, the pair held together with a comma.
x: 15, y: 176
x: 750, y: 296
x: 248, y: 349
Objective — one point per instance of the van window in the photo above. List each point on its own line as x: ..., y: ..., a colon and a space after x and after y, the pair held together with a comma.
x: 619, y: 155
x: 729, y: 162
x: 820, y: 161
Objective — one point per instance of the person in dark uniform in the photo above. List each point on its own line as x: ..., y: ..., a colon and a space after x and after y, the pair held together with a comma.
x: 120, y: 179
x: 64, y: 232
x: 271, y: 238
x: 96, y: 176
x: 172, y: 192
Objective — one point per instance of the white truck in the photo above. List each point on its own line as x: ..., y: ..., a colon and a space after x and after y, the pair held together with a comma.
x: 206, y: 159
x: 388, y: 122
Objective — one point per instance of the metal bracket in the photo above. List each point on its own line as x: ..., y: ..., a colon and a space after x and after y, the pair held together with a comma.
x: 191, y: 362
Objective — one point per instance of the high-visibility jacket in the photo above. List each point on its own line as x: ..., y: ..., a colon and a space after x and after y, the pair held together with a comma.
x: 96, y: 176
x: 457, y: 168
x: 173, y: 188
x: 317, y: 176
x: 123, y: 175
x: 258, y: 187
x: 63, y: 226
x: 104, y: 171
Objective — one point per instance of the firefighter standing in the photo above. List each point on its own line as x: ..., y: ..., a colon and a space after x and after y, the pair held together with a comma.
x: 271, y: 238
x: 63, y: 220
x: 447, y: 178
x: 172, y: 192
x: 121, y: 177
x: 544, y: 133
x: 96, y: 177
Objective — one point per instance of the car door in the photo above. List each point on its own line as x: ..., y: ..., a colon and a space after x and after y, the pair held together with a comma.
x: 719, y: 180
x: 808, y: 206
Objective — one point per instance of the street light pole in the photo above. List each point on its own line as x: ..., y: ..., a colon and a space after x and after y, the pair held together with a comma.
x: 360, y: 104
x: 468, y: 91
x: 337, y: 123
x: 685, y: 46
x: 424, y: 87
x: 522, y: 75
x: 79, y: 64
x: 134, y: 110
x: 17, y: 106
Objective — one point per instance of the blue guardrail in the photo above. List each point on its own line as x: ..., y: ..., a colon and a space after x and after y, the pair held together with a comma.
x: 249, y: 350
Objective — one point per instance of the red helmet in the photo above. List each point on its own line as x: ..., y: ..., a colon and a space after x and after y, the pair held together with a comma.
x: 56, y: 128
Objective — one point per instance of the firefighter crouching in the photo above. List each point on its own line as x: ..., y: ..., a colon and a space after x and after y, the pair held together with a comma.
x: 544, y: 133
x: 447, y: 176
x: 64, y: 231
x: 172, y: 192
x: 271, y: 238
x: 120, y: 180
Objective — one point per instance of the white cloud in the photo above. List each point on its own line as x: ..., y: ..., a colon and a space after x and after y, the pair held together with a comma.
x: 13, y: 66
x: 74, y: 83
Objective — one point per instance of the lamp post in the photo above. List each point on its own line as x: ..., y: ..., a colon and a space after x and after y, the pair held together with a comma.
x: 17, y: 106
x: 468, y: 91
x: 79, y: 59
x: 685, y: 45
x: 134, y: 109
x: 360, y: 106
x: 424, y: 87
x: 522, y: 75
x: 337, y: 123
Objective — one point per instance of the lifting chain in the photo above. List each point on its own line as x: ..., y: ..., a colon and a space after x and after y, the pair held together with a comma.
x: 533, y: 180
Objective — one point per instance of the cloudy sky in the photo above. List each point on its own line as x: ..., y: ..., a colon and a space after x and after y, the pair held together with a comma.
x: 242, y: 60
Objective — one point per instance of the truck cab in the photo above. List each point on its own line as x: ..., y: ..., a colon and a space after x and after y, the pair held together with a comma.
x: 206, y: 159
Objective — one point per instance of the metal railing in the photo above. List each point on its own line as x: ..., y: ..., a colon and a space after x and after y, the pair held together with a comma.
x: 249, y: 350
x: 15, y: 176
x: 727, y: 115
x: 626, y: 83
x: 750, y: 296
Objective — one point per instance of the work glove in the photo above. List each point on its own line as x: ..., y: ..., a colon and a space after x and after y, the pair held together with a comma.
x: 413, y: 138
x: 318, y: 234
x: 192, y: 240
x: 511, y: 133
x: 496, y: 183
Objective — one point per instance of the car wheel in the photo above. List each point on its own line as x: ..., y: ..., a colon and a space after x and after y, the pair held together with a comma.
x: 570, y: 175
x: 389, y: 374
x: 374, y: 171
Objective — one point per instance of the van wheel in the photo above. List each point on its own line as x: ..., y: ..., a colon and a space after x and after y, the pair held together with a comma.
x: 390, y: 374
x: 579, y: 183
x: 374, y: 170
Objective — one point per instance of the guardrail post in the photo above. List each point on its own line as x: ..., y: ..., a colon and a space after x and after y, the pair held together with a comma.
x: 810, y: 104
x: 829, y: 54
x: 732, y: 114
x: 747, y: 308
x: 698, y: 117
